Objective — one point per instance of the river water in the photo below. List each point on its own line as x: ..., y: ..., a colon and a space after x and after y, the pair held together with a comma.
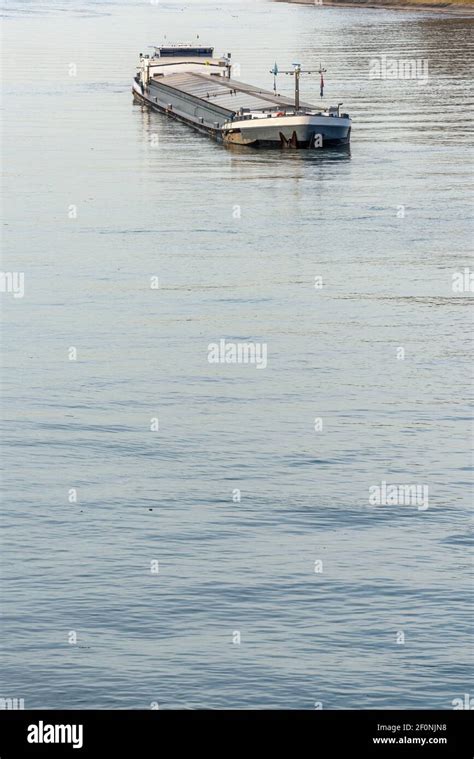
x: 302, y: 593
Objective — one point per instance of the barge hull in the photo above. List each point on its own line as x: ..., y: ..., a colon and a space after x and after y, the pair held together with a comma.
x: 289, y: 132
x: 215, y: 134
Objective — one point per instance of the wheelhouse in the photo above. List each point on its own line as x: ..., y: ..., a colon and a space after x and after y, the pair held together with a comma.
x: 184, y: 51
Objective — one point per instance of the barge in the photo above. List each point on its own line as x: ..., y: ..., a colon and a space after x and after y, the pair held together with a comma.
x: 189, y: 84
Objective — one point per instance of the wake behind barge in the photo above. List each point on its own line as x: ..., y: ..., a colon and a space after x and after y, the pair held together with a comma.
x: 187, y: 83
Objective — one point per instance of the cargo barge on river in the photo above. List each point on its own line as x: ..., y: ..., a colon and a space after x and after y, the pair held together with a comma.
x: 189, y: 84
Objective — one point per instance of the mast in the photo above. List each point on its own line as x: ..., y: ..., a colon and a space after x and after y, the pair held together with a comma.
x: 321, y: 85
x: 297, y: 86
x: 296, y: 71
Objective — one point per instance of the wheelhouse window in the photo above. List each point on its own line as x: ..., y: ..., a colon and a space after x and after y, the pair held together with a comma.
x: 180, y: 52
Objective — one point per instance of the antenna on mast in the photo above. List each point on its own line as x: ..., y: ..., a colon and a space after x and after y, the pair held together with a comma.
x: 274, y: 71
x: 321, y: 85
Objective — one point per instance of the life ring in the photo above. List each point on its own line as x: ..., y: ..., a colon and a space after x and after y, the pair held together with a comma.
x: 281, y: 113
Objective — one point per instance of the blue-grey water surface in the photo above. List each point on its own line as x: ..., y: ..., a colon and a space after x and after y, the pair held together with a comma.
x: 99, y: 197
